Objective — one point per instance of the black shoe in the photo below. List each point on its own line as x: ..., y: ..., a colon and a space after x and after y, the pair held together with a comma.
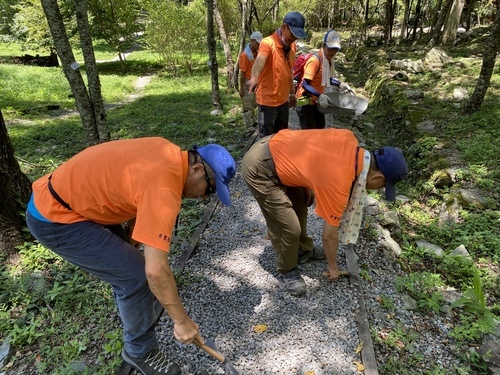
x: 316, y: 253
x: 155, y: 363
x: 293, y: 282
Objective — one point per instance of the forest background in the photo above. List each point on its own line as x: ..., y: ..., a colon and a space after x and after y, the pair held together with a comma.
x: 184, y: 47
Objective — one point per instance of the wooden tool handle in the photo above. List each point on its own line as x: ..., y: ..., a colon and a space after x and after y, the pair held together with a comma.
x: 209, y: 350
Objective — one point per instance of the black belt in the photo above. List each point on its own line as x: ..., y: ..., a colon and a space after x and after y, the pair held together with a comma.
x: 270, y: 162
x: 56, y: 196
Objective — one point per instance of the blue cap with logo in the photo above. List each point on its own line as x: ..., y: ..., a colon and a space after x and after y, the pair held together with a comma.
x: 223, y: 165
x: 392, y: 164
x: 296, y: 22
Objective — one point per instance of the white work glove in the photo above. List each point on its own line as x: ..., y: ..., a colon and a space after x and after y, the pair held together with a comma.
x: 324, y: 101
x: 344, y: 87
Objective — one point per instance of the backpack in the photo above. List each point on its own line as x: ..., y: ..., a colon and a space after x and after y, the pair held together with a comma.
x: 298, y: 66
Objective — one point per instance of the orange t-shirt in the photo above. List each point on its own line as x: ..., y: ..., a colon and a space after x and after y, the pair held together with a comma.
x: 322, y: 160
x: 246, y: 65
x: 276, y: 76
x: 116, y: 181
x: 313, y: 71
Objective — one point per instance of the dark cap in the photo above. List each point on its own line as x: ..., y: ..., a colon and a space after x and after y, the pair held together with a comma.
x: 392, y: 164
x: 223, y: 165
x: 296, y: 22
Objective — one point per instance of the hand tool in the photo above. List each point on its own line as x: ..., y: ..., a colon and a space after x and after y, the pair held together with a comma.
x: 210, y: 348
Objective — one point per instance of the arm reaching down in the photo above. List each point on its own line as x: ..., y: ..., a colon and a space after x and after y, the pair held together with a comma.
x: 162, y: 283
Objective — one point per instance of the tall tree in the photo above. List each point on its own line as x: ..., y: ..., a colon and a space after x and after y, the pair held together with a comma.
x: 212, y: 53
x: 389, y: 22
x: 450, y: 29
x: 71, y: 70
x: 91, y: 69
x: 437, y: 31
x: 225, y: 46
x: 15, y: 189
x: 491, y: 49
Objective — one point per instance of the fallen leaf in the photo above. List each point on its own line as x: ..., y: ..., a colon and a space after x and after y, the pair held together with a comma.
x: 238, y: 194
x: 38, y: 358
x: 359, y: 366
x: 379, y: 299
x: 360, y: 346
x: 259, y: 328
x: 400, y: 344
x: 309, y: 372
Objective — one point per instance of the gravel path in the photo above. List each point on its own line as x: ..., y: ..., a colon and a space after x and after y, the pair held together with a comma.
x: 231, y: 288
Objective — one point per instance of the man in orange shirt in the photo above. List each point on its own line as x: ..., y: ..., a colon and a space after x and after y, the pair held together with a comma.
x: 318, y: 74
x: 287, y: 171
x: 73, y: 208
x: 272, y: 74
x: 247, y: 59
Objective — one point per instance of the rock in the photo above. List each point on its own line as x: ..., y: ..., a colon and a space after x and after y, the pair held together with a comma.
x: 401, y: 76
x: 5, y: 352
x: 409, y: 303
x: 460, y: 251
x: 430, y: 248
x: 490, y: 352
x: 388, y: 242
x: 472, y: 198
x: 450, y: 211
x: 216, y: 112
x: 450, y: 295
x: 407, y: 66
x: 441, y: 179
x: 414, y: 95
x: 402, y: 198
x: 460, y: 94
x: 426, y: 127
x: 389, y: 219
x: 436, y: 57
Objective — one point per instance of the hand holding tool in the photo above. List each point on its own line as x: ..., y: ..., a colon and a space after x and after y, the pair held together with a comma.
x: 210, y: 348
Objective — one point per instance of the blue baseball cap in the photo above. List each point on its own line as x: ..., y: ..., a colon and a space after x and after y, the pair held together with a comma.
x: 223, y: 165
x: 296, y: 22
x: 392, y: 164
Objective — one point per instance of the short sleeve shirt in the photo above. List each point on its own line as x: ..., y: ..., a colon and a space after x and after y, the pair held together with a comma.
x: 275, y: 79
x: 323, y: 160
x: 117, y: 181
x: 313, y: 71
x: 246, y: 65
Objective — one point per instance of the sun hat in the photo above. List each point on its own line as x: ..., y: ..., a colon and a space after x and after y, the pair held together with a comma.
x: 332, y: 39
x: 392, y: 164
x: 223, y: 165
x: 296, y: 22
x: 257, y: 36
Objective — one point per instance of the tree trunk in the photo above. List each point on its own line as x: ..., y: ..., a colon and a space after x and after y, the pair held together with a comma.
x: 435, y: 17
x: 225, y: 46
x: 406, y: 16
x: 491, y: 49
x: 15, y: 189
x: 450, y: 29
x: 214, y: 68
x: 245, y: 8
x: 418, y: 9
x: 389, y: 21
x: 437, y: 32
x: 70, y: 68
x: 91, y: 69
x: 470, y: 8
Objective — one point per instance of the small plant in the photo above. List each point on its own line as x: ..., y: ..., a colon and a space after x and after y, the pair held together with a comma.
x: 423, y: 287
x: 28, y: 333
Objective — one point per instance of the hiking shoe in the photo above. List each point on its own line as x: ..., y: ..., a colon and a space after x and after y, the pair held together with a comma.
x: 293, y: 282
x: 155, y: 363
x: 316, y: 253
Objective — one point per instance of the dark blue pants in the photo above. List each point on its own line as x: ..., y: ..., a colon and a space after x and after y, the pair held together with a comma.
x: 97, y: 250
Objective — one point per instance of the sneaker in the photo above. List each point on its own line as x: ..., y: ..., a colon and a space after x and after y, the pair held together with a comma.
x: 316, y: 253
x: 155, y: 363
x: 293, y: 282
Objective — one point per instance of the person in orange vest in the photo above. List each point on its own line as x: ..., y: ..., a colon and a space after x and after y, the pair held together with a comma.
x: 288, y: 171
x: 272, y: 78
x: 318, y: 75
x: 247, y: 59
x: 76, y: 211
